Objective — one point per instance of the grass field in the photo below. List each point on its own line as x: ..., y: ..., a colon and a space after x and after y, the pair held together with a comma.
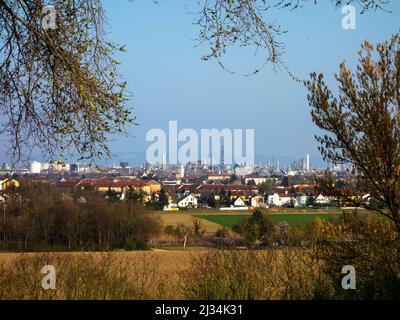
x: 229, y: 221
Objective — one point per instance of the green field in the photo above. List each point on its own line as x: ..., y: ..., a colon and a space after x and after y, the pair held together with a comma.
x: 229, y: 221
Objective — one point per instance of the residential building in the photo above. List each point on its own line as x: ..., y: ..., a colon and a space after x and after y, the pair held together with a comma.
x: 189, y: 201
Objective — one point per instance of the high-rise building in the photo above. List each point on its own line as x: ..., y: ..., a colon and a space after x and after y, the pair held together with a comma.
x: 36, y: 167
x: 222, y: 157
x: 307, y: 162
x: 164, y: 161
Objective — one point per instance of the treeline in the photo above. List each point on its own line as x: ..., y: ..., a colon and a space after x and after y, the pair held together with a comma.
x: 39, y: 218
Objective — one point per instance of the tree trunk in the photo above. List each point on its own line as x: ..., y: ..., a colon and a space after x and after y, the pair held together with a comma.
x: 184, y: 241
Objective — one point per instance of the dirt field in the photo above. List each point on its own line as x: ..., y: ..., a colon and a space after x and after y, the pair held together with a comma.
x: 175, y: 219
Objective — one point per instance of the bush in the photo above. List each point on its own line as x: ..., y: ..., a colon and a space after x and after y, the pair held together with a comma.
x: 132, y: 245
x: 371, y: 245
x: 252, y: 275
x: 169, y: 230
x: 256, y: 230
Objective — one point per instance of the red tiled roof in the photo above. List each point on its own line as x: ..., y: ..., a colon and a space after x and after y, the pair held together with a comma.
x: 229, y: 187
x: 116, y: 183
x: 284, y: 195
x: 67, y: 184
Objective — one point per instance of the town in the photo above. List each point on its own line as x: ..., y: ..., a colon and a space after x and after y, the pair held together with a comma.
x: 193, y: 185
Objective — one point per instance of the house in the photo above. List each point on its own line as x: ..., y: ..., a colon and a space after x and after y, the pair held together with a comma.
x: 279, y: 199
x: 273, y: 200
x: 189, y: 201
x: 239, y: 203
x: 301, y: 200
x: 7, y: 183
x: 321, y: 199
x: 257, y: 202
x: 154, y: 186
x: 285, y: 199
x: 67, y: 185
x: 366, y: 198
x: 120, y: 185
x: 257, y: 179
x: 218, y: 177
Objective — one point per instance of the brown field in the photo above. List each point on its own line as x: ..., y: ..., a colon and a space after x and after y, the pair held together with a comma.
x: 151, y: 274
x: 145, y: 270
x: 170, y: 262
x: 174, y: 219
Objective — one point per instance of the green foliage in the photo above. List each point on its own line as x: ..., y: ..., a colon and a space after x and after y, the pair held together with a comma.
x: 256, y: 229
x: 133, y: 244
x: 160, y: 200
x: 170, y: 230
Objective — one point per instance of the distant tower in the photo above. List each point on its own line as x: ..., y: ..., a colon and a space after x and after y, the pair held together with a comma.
x: 307, y: 162
x: 182, y: 171
x: 164, y: 161
x: 36, y: 167
x: 222, y: 157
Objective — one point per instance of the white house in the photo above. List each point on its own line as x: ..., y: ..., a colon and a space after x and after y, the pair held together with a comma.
x: 321, y: 199
x: 279, y: 199
x: 285, y: 199
x: 239, y: 202
x: 273, y: 200
x: 189, y: 201
x: 257, y: 202
x: 36, y: 167
x: 366, y: 198
x: 3, y: 182
x: 257, y: 179
x: 301, y: 201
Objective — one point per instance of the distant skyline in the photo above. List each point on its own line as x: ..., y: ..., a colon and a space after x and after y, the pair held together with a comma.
x: 169, y: 81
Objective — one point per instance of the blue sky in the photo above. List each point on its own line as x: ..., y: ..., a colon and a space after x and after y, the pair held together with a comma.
x: 169, y: 81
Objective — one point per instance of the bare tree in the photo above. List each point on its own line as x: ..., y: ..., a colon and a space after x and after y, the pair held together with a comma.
x: 227, y: 23
x: 184, y: 232
x: 362, y: 124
